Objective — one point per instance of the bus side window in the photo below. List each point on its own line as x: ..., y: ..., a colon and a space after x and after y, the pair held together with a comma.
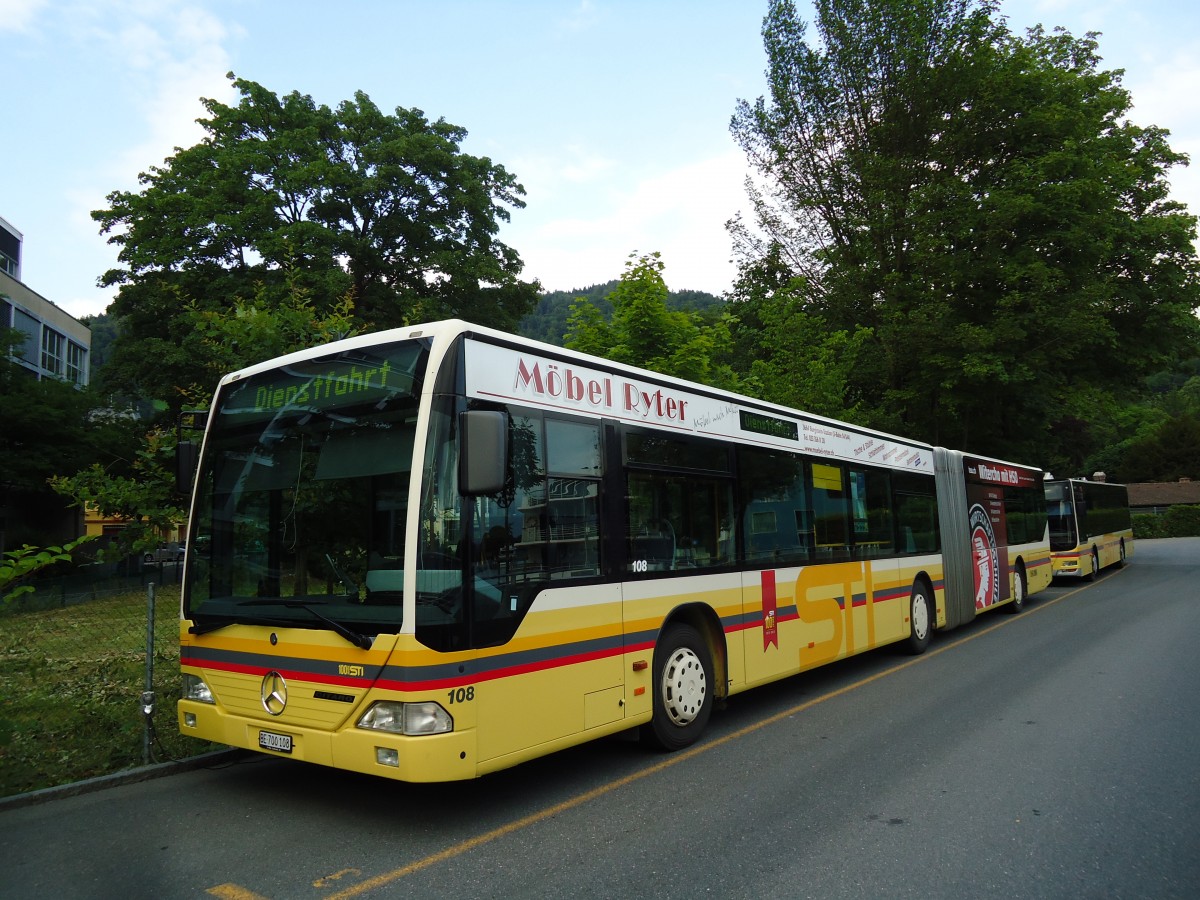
x: 777, y: 518
x: 1025, y: 514
x: 679, y: 522
x: 573, y: 498
x: 915, y: 507
x: 871, y: 510
x: 830, y: 508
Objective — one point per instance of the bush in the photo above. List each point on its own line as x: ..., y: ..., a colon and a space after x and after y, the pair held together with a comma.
x: 1178, y: 521
x: 1182, y: 521
x: 1147, y: 526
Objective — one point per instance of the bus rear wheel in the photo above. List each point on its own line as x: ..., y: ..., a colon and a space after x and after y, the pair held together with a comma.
x: 920, y: 618
x: 1018, y: 601
x: 682, y: 689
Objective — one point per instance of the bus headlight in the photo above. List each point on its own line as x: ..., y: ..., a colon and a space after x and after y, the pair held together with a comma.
x: 194, y: 688
x: 407, y: 718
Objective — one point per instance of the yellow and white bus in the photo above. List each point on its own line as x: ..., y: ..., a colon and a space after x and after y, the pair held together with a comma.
x: 439, y: 551
x: 1090, y: 526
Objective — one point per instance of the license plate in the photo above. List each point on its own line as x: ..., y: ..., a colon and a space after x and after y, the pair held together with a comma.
x: 281, y: 743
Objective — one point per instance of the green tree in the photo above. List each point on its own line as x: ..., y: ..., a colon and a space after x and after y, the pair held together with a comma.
x: 645, y: 332
x: 350, y: 200
x: 254, y: 330
x: 793, y: 358
x: 548, y: 320
x: 16, y: 566
x: 980, y: 202
x: 1170, y: 452
x: 145, y: 499
x: 43, y: 422
x: 47, y: 427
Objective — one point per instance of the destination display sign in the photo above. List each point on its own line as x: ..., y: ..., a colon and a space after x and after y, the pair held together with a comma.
x: 520, y: 376
x: 353, y: 378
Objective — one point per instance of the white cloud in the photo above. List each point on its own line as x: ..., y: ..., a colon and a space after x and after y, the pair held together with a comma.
x: 18, y: 15
x: 679, y: 213
x: 1166, y: 93
x: 155, y: 59
x: 553, y: 178
x: 583, y: 17
x: 172, y: 55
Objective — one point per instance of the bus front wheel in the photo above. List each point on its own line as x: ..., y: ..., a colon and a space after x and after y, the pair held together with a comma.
x: 920, y: 618
x: 682, y: 689
x: 1094, y: 563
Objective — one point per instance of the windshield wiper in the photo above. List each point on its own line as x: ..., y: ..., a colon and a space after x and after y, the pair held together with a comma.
x: 343, y: 579
x: 210, y: 626
x: 358, y: 640
x: 225, y: 622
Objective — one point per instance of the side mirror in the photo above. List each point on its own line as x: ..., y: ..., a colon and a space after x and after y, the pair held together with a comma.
x: 187, y: 454
x: 482, y: 452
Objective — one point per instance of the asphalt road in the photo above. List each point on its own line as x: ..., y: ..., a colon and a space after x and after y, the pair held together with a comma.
x: 1051, y: 754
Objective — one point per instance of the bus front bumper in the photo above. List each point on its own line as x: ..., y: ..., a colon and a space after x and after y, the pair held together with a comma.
x: 425, y: 758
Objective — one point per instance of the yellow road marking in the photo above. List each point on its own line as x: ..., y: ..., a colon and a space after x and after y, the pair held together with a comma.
x: 233, y: 892
x: 336, y: 876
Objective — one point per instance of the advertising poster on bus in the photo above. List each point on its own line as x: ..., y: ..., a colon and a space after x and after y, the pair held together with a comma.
x: 986, y: 481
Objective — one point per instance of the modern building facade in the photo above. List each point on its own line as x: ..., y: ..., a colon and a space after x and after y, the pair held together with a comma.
x: 56, y: 345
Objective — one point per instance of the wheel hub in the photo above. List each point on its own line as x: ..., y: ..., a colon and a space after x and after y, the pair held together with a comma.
x: 683, y: 686
x: 920, y: 618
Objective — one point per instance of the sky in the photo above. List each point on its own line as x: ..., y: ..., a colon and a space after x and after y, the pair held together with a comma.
x: 613, y: 114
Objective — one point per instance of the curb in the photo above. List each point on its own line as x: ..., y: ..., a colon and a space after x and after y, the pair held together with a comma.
x: 128, y: 776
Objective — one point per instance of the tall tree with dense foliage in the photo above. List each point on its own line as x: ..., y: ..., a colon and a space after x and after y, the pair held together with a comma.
x: 980, y: 202
x: 386, y: 208
x: 645, y: 332
x: 795, y: 359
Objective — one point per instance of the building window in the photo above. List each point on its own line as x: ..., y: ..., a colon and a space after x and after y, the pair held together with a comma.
x: 52, y: 351
x: 27, y: 349
x: 76, y: 363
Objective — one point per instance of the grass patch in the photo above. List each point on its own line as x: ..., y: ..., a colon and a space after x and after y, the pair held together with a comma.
x: 71, y: 682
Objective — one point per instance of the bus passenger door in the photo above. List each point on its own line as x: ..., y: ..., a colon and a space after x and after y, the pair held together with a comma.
x: 554, y: 659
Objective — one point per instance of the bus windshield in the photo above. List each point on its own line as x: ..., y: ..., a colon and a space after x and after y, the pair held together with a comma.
x: 1061, y: 516
x: 302, y: 489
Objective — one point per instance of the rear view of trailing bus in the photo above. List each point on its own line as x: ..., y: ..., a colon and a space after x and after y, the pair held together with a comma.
x: 1090, y: 526
x: 439, y: 551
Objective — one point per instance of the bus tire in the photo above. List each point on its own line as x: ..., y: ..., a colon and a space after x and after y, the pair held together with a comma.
x: 1094, y: 562
x: 920, y: 617
x: 1019, y: 589
x: 683, y: 684
x: 1121, y: 559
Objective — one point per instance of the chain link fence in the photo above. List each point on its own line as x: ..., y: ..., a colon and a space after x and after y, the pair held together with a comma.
x: 89, y: 675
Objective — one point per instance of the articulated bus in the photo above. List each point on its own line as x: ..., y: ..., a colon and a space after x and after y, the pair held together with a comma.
x: 1090, y: 526
x: 439, y: 551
